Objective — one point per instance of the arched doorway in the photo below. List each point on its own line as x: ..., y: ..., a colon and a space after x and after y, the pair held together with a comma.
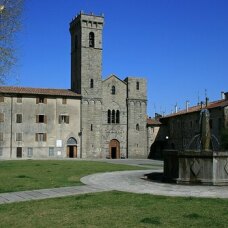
x: 114, y: 149
x: 71, y: 148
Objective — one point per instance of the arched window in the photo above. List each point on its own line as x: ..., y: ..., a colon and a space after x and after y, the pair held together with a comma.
x: 113, y: 90
x: 91, y: 39
x: 109, y: 116
x: 91, y: 83
x: 137, y: 85
x: 113, y: 116
x: 117, y: 116
x: 137, y: 127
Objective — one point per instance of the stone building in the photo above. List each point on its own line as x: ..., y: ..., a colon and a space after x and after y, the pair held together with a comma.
x: 94, y: 119
x: 177, y: 130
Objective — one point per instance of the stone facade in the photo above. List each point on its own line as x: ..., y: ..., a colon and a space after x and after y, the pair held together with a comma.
x: 177, y: 131
x: 105, y: 118
x: 38, y: 126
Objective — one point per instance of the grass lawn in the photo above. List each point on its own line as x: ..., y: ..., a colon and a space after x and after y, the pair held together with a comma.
x: 29, y: 174
x: 116, y: 209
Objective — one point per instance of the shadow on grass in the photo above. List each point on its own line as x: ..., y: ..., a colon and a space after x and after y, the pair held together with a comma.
x: 153, y: 220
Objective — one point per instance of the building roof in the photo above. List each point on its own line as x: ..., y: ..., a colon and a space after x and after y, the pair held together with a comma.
x: 197, y: 108
x: 151, y: 121
x: 37, y: 91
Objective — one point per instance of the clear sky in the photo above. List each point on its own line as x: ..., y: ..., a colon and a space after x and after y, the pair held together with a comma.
x: 180, y: 46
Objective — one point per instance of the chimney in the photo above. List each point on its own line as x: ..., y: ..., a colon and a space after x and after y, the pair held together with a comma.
x: 222, y: 95
x: 226, y: 96
x: 187, y: 106
x: 176, y: 108
x: 201, y: 104
x: 207, y: 101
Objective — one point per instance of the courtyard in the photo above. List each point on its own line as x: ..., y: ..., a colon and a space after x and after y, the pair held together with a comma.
x: 101, y: 198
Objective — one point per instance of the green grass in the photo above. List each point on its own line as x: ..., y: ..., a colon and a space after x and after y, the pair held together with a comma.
x: 116, y: 209
x: 27, y: 175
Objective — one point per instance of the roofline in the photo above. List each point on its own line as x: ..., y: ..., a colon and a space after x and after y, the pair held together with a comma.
x: 113, y: 75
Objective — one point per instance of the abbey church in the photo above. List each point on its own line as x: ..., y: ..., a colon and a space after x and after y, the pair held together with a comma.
x: 94, y: 119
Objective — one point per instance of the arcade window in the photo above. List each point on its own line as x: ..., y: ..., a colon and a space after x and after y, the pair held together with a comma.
x: 113, y: 116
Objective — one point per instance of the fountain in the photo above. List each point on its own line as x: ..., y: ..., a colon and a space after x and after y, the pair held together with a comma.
x: 204, y: 164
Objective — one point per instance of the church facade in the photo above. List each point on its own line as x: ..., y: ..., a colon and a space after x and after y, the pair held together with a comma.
x: 94, y: 119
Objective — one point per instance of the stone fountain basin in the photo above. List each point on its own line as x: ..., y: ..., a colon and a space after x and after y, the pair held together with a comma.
x: 194, y: 167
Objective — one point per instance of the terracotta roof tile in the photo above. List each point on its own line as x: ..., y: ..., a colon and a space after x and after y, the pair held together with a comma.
x: 153, y: 122
x: 215, y: 104
x: 37, y: 91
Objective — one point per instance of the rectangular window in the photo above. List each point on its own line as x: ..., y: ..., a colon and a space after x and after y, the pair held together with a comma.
x: 51, y: 151
x: 64, y: 100
x: 41, y: 118
x: 1, y: 136
x: 19, y: 99
x: 1, y: 117
x: 19, y: 152
x: 1, y: 151
x: 64, y: 119
x: 41, y: 137
x: 19, y: 118
x: 41, y: 100
x: 30, y: 152
x: 18, y: 137
x: 1, y: 99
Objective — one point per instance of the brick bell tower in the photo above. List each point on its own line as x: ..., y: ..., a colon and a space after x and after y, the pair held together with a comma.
x: 86, y: 66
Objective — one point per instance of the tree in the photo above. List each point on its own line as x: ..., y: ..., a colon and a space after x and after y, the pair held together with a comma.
x: 10, y: 24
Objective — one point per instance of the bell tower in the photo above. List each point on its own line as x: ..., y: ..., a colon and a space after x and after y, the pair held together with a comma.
x: 86, y: 65
x: 86, y: 54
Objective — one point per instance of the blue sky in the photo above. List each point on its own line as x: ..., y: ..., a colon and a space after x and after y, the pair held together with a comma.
x: 180, y: 46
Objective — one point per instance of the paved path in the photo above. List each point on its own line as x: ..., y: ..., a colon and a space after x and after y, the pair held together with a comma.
x: 131, y: 181
x: 13, y: 197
